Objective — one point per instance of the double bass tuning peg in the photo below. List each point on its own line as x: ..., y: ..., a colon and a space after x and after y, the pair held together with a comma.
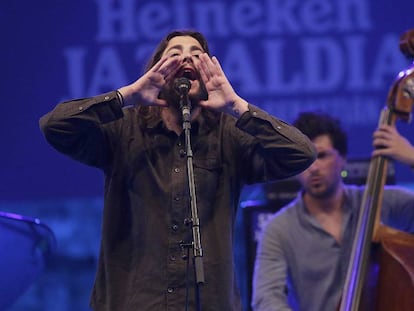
x: 407, y: 44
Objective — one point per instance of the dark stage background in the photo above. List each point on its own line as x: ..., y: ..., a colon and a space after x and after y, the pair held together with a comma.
x: 337, y: 56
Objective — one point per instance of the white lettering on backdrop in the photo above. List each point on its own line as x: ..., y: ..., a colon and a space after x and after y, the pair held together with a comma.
x: 285, y: 56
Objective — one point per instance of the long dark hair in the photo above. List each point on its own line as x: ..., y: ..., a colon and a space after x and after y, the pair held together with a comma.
x: 156, y: 56
x: 151, y: 112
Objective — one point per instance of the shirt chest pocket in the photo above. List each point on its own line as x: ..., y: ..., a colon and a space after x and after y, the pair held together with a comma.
x: 207, y: 177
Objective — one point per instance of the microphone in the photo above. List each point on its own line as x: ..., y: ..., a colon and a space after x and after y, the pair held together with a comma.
x: 182, y: 86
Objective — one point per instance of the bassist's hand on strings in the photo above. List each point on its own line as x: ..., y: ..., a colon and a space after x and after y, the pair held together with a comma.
x: 388, y: 142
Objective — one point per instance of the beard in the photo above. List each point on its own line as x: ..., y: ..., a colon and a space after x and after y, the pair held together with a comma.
x: 322, y: 190
x: 172, y: 97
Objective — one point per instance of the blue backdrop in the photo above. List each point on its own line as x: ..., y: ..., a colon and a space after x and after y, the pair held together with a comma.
x: 338, y: 56
x: 285, y: 56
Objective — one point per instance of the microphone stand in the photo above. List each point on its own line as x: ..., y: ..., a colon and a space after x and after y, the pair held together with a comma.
x: 195, y: 221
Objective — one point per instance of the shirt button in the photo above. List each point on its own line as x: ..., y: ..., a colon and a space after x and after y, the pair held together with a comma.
x: 176, y: 169
x: 182, y: 152
x: 174, y: 227
x: 172, y: 258
x: 80, y: 108
x: 170, y: 290
x: 278, y: 127
x: 177, y: 198
x: 106, y: 97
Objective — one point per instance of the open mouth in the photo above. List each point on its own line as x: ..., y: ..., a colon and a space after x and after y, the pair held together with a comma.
x: 188, y: 73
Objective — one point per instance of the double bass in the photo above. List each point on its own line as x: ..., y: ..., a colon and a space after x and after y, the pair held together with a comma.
x: 380, y: 275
